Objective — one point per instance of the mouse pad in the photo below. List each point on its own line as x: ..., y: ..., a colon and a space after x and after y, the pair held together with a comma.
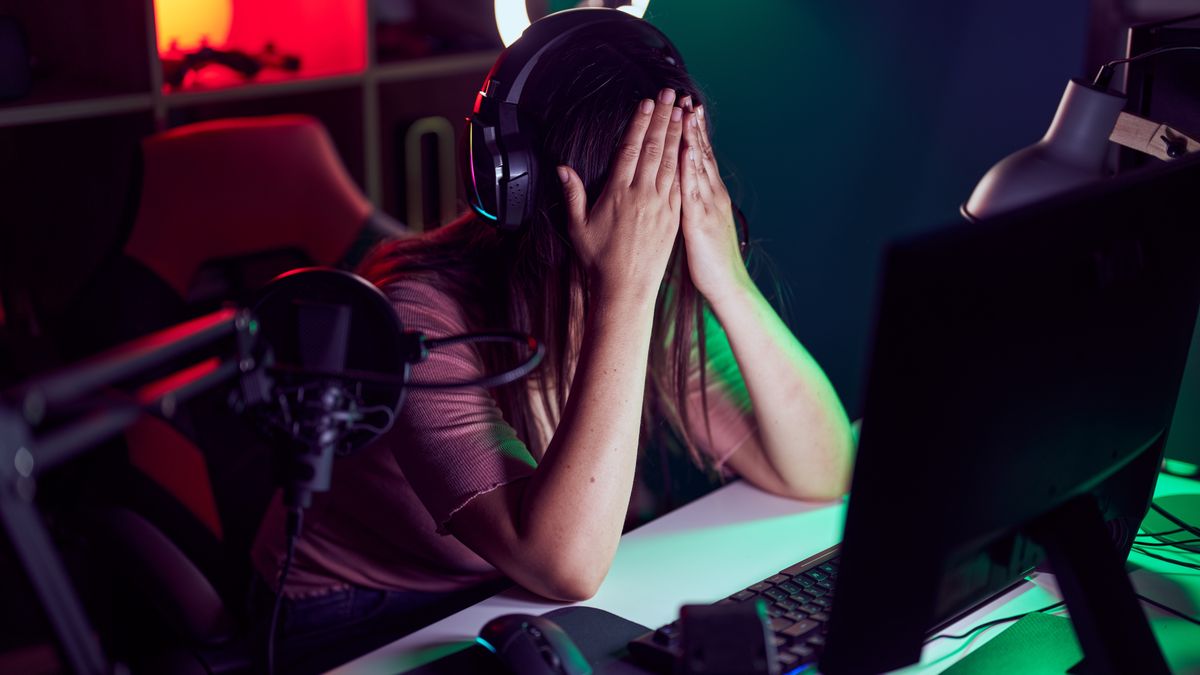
x: 1038, y: 644
x: 601, y: 636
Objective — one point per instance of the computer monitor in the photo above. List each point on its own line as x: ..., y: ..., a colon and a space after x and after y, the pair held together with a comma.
x: 1166, y: 89
x: 1023, y: 379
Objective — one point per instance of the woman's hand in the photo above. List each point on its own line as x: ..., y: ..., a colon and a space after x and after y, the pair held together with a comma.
x: 625, y: 240
x: 709, y: 231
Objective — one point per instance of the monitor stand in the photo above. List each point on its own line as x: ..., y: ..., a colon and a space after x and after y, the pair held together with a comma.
x: 1108, y: 619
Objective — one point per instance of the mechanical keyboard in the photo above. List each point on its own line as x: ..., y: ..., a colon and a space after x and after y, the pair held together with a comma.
x: 797, y: 599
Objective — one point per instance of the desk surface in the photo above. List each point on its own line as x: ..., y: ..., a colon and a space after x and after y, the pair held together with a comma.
x: 731, y: 538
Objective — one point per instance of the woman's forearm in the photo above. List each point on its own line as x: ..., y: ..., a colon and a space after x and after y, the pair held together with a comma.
x: 575, y: 504
x: 803, y: 432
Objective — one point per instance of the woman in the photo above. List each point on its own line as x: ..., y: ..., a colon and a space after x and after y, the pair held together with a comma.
x: 629, y: 269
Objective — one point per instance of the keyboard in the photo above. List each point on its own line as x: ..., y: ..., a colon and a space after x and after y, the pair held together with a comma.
x: 798, y: 600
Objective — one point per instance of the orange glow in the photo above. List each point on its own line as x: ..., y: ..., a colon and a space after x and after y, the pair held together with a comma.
x: 328, y: 37
x: 189, y: 23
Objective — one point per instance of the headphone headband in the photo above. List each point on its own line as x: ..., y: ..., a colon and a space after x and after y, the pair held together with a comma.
x: 501, y: 161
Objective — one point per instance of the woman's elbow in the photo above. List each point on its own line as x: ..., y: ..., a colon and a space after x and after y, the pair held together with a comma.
x: 569, y: 581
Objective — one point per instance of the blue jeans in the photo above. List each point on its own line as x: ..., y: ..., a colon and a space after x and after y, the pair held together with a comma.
x: 317, y: 633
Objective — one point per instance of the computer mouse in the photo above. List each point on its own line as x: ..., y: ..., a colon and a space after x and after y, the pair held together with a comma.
x: 533, y: 645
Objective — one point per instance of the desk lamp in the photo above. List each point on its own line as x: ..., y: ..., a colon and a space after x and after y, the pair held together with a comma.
x: 1074, y: 149
x: 1071, y: 154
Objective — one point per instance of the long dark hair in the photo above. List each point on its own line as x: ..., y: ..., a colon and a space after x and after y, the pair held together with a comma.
x: 523, y: 281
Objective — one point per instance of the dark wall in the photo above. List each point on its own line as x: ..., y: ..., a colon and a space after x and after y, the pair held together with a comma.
x: 840, y: 125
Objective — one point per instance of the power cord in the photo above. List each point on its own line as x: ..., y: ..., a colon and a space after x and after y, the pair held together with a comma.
x: 1184, y: 525
x: 1168, y: 609
x: 1104, y: 77
x: 295, y: 519
x: 994, y: 622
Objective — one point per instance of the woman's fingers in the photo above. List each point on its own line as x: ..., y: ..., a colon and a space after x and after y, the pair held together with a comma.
x: 626, y: 162
x: 668, y: 171
x: 576, y: 197
x: 693, y: 151
x: 655, y: 139
x: 708, y: 159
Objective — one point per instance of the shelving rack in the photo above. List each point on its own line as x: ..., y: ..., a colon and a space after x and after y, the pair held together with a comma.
x: 68, y: 150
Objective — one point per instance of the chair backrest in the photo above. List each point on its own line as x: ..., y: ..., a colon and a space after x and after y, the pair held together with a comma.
x: 224, y: 207
x: 241, y: 188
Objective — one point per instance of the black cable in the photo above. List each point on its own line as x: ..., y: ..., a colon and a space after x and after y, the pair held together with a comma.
x: 994, y: 622
x: 1104, y: 77
x: 1181, y: 563
x: 1160, y: 534
x: 1169, y: 542
x: 487, y: 382
x: 1170, y: 610
x: 295, y: 519
x: 1176, y: 519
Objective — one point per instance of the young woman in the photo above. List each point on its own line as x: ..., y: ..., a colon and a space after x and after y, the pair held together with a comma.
x: 630, y: 271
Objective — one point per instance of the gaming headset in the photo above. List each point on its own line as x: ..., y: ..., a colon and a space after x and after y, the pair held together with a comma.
x: 501, y: 167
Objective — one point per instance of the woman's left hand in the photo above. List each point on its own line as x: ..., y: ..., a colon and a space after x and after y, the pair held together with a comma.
x: 709, y: 230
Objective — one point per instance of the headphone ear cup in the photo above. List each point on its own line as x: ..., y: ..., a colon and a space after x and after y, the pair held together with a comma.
x: 482, y: 165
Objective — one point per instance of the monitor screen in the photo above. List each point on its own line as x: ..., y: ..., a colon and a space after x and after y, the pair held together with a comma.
x: 1023, y: 379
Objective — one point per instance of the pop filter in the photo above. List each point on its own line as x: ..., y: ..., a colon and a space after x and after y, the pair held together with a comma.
x: 314, y: 323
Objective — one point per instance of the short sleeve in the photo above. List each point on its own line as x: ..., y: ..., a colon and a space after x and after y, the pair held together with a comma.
x: 451, y: 444
x: 730, y: 414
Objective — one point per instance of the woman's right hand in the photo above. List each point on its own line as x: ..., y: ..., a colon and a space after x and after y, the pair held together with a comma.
x: 625, y: 240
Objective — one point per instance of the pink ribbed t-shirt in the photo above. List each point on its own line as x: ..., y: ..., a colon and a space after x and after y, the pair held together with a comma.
x: 382, y: 524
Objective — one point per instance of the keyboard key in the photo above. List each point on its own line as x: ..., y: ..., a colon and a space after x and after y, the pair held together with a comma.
x: 803, y: 581
x: 788, y: 659
x: 816, y: 640
x: 778, y: 624
x: 779, y: 641
x: 777, y: 579
x: 815, y: 591
x: 790, y: 588
x: 822, y: 602
x: 816, y: 575
x: 787, y: 604
x: 742, y: 596
x: 759, y: 587
x: 819, y: 616
x: 811, y: 609
x: 802, y: 650
x: 800, y: 628
x: 776, y: 611
x: 727, y: 601
x: 828, y: 568
x: 773, y: 593
x: 796, y: 616
x: 827, y: 584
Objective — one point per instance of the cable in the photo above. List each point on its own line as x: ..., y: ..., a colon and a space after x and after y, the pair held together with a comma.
x: 994, y: 622
x: 1164, y: 559
x: 1161, y: 534
x: 1170, y: 610
x: 1104, y: 77
x: 1173, y: 561
x: 487, y: 382
x: 1169, y: 543
x: 295, y: 519
x: 1176, y: 519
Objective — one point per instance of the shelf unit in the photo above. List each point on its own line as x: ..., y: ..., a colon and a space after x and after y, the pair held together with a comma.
x: 98, y: 89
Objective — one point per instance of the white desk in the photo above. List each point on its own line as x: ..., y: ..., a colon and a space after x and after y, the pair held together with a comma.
x: 730, y: 539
